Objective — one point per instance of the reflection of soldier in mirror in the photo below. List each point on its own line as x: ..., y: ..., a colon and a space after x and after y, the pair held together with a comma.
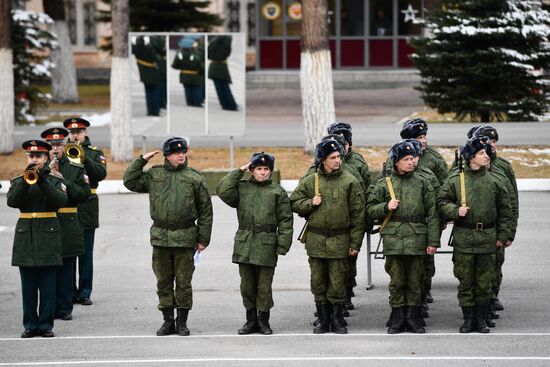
x: 159, y: 45
x: 219, y: 49
x: 190, y: 61
x: 149, y: 73
x: 381, y: 24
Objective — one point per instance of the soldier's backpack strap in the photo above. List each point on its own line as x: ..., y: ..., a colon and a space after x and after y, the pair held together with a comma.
x: 392, y: 195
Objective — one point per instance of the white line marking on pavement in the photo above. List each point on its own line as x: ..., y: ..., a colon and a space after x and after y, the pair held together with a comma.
x: 273, y: 336
x: 202, y: 360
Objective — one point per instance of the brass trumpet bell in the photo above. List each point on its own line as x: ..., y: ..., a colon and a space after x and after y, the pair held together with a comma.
x: 74, y: 152
x: 31, y: 176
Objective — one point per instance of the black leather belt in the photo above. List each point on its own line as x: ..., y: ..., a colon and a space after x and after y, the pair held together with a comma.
x: 268, y: 228
x: 328, y: 232
x: 173, y: 227
x: 475, y: 226
x: 404, y: 219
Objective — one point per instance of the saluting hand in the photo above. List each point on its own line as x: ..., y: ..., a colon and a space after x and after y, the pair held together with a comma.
x: 316, y: 201
x: 150, y: 155
x: 462, y: 211
x: 393, y: 204
x: 246, y: 167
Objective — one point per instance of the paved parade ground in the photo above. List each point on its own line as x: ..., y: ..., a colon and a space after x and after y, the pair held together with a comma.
x: 119, y: 328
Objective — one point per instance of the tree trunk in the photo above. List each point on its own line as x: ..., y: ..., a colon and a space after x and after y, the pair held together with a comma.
x: 122, y: 145
x: 63, y: 76
x: 6, y: 80
x: 316, y: 73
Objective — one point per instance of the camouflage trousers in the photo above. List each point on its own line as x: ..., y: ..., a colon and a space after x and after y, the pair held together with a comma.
x: 174, y: 264
x: 406, y: 275
x: 352, y: 272
x: 497, y: 280
x: 256, y: 286
x: 328, y: 279
x: 475, y: 274
x: 429, y: 272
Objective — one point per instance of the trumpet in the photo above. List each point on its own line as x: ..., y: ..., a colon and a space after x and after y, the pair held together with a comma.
x: 31, y: 176
x: 74, y: 152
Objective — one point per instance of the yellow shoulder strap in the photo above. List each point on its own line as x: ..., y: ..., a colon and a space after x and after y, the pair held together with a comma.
x: 392, y: 195
x: 462, y: 190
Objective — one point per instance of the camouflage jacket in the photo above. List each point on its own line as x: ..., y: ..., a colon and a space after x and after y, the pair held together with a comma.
x: 265, y: 218
x: 179, y: 203
x: 341, y: 214
x: 490, y: 217
x: 414, y: 225
x: 433, y: 161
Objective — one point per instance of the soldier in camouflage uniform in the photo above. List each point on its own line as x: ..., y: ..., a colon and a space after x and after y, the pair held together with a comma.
x: 483, y: 221
x: 411, y: 232
x: 505, y: 168
x: 336, y: 225
x: 95, y: 164
x: 181, y: 210
x: 37, y: 242
x: 265, y: 231
x: 356, y: 161
x: 72, y: 236
x: 430, y: 159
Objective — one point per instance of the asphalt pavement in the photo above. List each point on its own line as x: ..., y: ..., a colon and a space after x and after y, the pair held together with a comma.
x: 119, y: 328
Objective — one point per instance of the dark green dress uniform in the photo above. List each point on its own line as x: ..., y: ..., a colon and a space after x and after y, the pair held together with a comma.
x: 413, y: 226
x: 72, y: 234
x: 190, y: 62
x: 334, y: 227
x: 265, y: 231
x: 489, y: 219
x: 181, y: 210
x: 37, y: 247
x: 159, y: 46
x: 149, y: 74
x: 219, y: 49
x: 95, y: 165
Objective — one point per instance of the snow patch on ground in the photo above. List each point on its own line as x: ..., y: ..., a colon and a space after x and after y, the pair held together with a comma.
x: 96, y: 120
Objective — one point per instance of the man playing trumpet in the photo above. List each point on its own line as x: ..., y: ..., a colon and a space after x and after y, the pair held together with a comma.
x: 95, y: 164
x: 72, y: 237
x: 38, y: 194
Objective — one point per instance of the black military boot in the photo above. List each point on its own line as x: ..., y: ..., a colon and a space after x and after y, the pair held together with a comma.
x: 492, y: 310
x: 481, y: 315
x: 424, y: 310
x: 323, y: 326
x: 397, y: 320
x: 251, y: 325
x: 263, y: 323
x: 168, y: 327
x: 181, y: 322
x: 468, y: 325
x: 498, y: 305
x: 414, y: 320
x: 337, y: 323
x: 348, y: 304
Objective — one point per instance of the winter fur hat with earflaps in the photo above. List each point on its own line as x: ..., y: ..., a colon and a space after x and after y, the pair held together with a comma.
x: 414, y: 128
x: 341, y: 128
x: 326, y: 148
x: 262, y: 159
x: 488, y: 131
x: 174, y: 144
x: 472, y: 146
x: 400, y: 150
